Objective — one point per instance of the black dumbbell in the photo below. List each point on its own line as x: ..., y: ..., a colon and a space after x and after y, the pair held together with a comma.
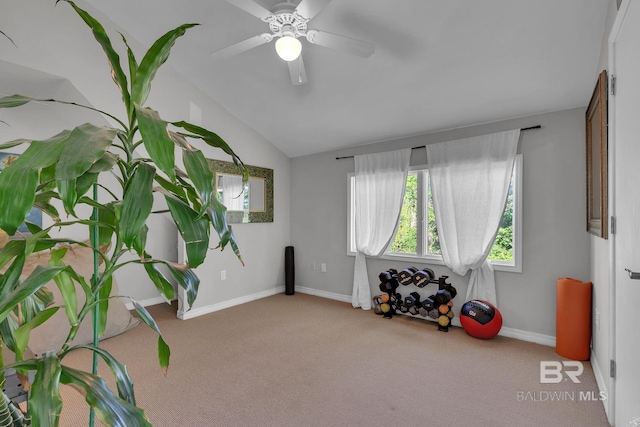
x: 428, y: 303
x: 421, y: 278
x: 412, y: 299
x: 405, y: 276
x: 443, y: 296
x: 388, y: 275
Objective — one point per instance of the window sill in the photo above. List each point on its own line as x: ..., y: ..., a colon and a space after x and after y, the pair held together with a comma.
x: 433, y: 260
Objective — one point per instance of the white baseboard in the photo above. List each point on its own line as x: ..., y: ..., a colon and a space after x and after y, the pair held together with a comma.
x: 601, y: 381
x: 146, y: 302
x: 323, y: 294
x: 528, y: 336
x: 195, y: 312
x: 506, y: 332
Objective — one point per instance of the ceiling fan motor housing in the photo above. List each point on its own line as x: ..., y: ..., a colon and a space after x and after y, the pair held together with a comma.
x: 284, y: 20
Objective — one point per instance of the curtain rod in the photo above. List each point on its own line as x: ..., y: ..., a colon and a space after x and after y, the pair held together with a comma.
x: 423, y: 146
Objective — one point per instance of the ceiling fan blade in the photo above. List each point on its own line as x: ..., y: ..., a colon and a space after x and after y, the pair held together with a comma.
x: 310, y: 8
x: 242, y: 46
x: 345, y: 44
x: 297, y: 72
x: 252, y: 7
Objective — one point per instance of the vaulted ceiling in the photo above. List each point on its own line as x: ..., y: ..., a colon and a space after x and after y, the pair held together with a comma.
x: 437, y: 64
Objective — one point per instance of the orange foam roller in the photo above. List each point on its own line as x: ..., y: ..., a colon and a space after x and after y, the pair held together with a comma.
x: 573, y: 318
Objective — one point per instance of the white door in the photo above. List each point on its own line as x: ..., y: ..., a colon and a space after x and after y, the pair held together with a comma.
x: 624, y: 130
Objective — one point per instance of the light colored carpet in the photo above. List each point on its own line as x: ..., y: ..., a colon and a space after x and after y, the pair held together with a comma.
x: 307, y: 361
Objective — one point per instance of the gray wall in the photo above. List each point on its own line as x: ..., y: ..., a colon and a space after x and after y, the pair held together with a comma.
x: 59, y: 43
x: 555, y: 243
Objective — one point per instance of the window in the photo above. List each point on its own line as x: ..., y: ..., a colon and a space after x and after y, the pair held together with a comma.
x: 416, y: 238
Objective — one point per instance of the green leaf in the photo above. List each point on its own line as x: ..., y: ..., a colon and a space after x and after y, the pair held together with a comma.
x: 110, y: 410
x: 218, y: 214
x: 68, y: 195
x: 18, y: 100
x: 18, y: 182
x: 164, y: 354
x: 102, y: 38
x: 201, y: 175
x: 137, y: 203
x: 45, y: 403
x: 84, y: 147
x: 163, y: 286
x: 213, y: 140
x: 153, y: 59
x: 103, y: 305
x: 194, y: 230
x: 104, y: 163
x: 13, y: 101
x: 133, y: 64
x: 37, y: 279
x: 176, y: 190
x: 106, y: 225
x: 66, y: 286
x: 123, y: 381
x: 22, y: 333
x: 13, y: 143
x: 11, y: 250
x: 156, y: 140
x: 11, y: 277
x: 186, y: 279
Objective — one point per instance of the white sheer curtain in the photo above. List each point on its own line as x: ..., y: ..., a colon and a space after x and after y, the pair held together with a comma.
x: 233, y: 192
x: 469, y: 184
x: 379, y: 191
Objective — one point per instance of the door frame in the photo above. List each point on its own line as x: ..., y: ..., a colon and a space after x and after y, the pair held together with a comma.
x: 611, y: 136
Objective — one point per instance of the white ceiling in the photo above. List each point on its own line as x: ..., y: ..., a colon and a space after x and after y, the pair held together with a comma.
x: 437, y: 65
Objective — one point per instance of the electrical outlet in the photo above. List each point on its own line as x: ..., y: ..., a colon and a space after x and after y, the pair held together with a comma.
x: 597, y: 320
x: 223, y: 274
x: 323, y: 266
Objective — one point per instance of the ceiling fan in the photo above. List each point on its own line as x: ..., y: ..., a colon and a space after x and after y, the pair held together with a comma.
x: 287, y: 23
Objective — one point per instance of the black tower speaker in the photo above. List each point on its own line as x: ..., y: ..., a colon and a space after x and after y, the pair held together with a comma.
x: 289, y: 271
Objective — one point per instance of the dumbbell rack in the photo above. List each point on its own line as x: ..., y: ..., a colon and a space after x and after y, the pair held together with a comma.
x: 437, y: 306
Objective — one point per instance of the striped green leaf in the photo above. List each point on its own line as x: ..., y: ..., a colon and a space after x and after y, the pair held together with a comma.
x: 161, y: 283
x: 19, y: 181
x: 45, y: 403
x: 153, y: 59
x: 109, y: 408
x: 102, y: 38
x: 164, y: 354
x: 213, y: 140
x: 37, y: 279
x: 66, y: 286
x: 21, y: 334
x: 85, y: 145
x: 156, y: 140
x: 194, y: 230
x: 137, y: 203
x: 124, y: 383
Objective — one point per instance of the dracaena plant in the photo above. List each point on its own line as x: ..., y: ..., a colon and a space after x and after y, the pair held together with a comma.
x: 62, y: 173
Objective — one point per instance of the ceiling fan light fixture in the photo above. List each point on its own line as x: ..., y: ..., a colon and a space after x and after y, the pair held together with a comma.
x: 288, y: 48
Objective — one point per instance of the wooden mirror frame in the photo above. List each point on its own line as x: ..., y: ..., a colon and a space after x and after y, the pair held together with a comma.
x: 597, y: 159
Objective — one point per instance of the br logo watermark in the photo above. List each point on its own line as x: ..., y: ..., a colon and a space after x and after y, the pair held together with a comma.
x: 554, y: 372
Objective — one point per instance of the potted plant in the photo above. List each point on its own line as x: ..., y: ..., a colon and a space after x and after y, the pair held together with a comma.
x: 61, y: 172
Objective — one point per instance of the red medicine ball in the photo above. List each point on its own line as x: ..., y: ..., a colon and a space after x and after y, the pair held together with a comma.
x: 480, y: 319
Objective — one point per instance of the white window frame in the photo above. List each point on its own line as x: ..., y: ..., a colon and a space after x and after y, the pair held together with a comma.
x: 514, y: 266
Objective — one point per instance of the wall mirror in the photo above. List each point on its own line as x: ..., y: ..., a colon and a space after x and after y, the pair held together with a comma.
x: 596, y: 121
x: 247, y: 202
